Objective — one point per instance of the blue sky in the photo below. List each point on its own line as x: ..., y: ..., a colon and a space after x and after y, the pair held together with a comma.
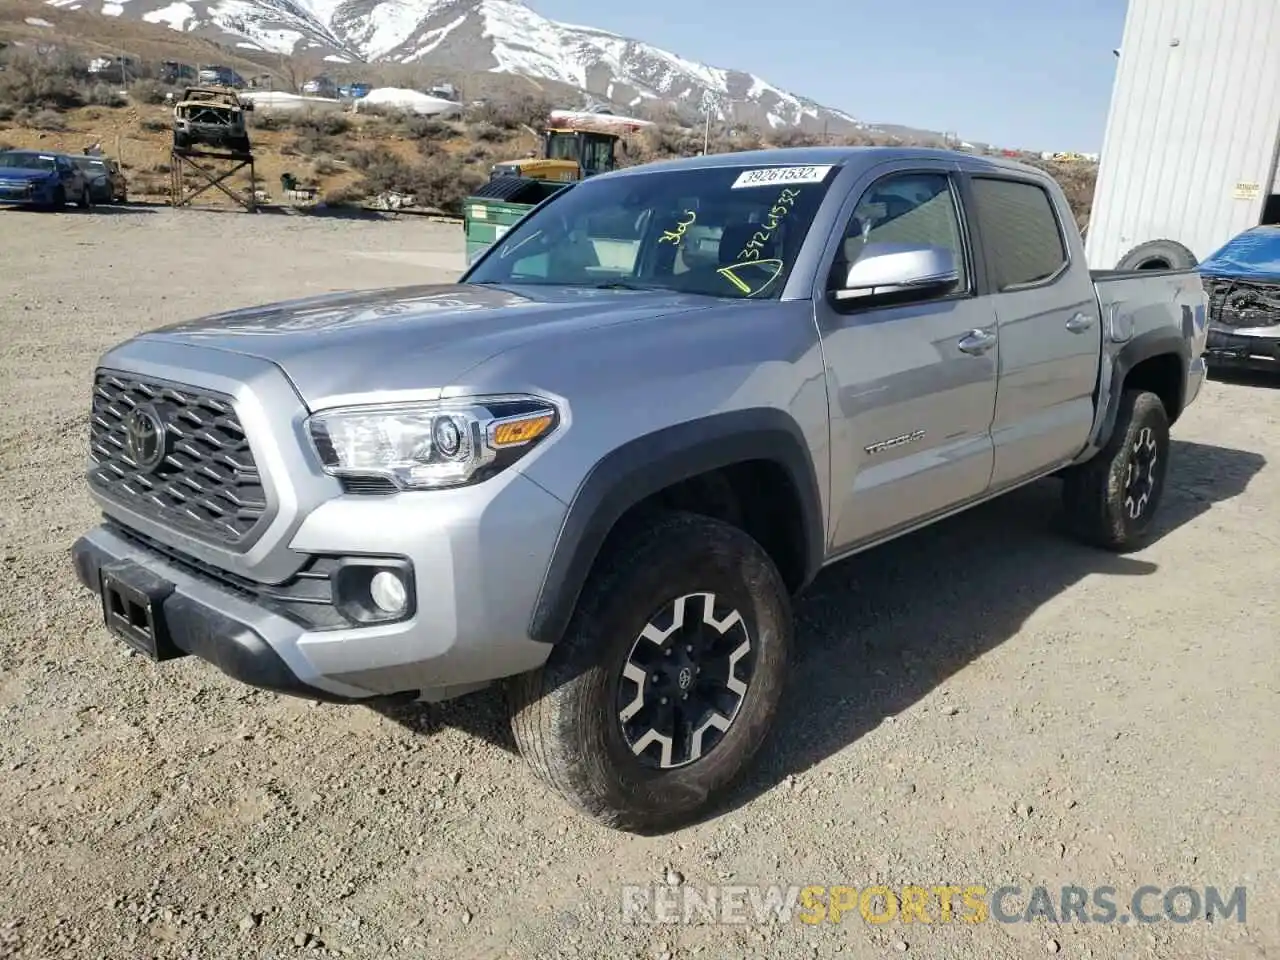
x: 1018, y: 73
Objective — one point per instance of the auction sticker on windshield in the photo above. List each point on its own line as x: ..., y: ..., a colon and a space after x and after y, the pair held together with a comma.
x: 766, y: 176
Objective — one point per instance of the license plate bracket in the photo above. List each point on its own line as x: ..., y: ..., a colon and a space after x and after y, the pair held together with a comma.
x: 133, y: 609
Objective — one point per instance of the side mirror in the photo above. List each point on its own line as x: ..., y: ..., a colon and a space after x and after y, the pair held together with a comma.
x: 895, y: 268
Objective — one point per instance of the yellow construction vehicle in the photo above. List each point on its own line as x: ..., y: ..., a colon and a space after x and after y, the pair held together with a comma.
x: 568, y: 155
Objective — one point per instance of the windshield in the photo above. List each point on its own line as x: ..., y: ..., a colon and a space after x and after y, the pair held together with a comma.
x: 722, y: 232
x: 26, y: 161
x: 89, y: 163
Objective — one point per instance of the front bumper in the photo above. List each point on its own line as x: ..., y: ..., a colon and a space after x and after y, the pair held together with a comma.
x: 1244, y: 346
x: 478, y: 556
x: 39, y: 195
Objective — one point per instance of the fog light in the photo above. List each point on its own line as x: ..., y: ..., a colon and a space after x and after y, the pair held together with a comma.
x: 387, y: 592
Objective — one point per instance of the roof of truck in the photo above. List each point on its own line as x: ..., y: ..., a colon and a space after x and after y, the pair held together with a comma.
x: 837, y: 156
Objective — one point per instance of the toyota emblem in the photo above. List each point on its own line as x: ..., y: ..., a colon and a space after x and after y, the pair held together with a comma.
x: 145, y: 438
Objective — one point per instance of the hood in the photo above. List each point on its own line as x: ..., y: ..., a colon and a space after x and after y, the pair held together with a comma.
x: 1253, y: 255
x: 25, y: 173
x: 343, y: 348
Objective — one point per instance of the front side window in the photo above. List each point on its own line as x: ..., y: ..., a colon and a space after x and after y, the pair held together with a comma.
x: 1019, y: 231
x: 723, y: 232
x: 909, y: 208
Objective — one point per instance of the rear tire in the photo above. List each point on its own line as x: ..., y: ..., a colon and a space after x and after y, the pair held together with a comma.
x: 1111, y: 500
x: 642, y: 723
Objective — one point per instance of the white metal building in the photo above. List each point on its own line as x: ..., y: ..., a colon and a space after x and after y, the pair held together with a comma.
x: 1190, y: 151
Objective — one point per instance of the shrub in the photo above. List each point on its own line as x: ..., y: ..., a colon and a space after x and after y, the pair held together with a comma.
x: 155, y: 124
x: 429, y: 148
x: 46, y: 120
x: 524, y: 110
x: 441, y: 182
x: 420, y: 128
x: 323, y: 124
x: 148, y: 91
x: 310, y: 143
x: 488, y: 133
x: 267, y: 121
x: 393, y: 115
x: 31, y: 81
x: 793, y: 138
x: 665, y: 142
x: 344, y: 196
x: 104, y: 95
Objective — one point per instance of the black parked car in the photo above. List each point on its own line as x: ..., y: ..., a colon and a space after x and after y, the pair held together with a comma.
x: 106, y: 180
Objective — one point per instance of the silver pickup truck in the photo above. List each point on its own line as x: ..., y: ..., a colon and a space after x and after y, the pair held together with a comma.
x: 599, y: 466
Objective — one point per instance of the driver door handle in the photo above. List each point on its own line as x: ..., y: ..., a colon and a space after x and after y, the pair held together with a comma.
x: 1079, y: 323
x: 977, y: 342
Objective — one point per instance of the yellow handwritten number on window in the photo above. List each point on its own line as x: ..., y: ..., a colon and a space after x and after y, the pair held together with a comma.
x: 673, y: 236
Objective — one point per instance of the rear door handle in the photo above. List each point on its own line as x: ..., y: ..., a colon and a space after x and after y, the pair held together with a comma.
x: 1079, y: 323
x: 977, y: 342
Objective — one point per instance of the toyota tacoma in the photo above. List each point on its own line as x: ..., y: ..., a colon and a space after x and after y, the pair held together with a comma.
x: 599, y: 466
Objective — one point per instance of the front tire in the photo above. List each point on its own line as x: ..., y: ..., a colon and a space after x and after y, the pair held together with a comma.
x: 85, y: 201
x: 1111, y: 500
x: 667, y: 680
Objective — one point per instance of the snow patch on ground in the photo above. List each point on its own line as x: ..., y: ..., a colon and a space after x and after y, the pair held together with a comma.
x: 392, y: 23
x: 433, y: 38
x: 175, y: 15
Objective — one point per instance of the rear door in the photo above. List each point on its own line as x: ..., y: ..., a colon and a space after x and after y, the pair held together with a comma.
x: 910, y: 409
x: 1048, y: 320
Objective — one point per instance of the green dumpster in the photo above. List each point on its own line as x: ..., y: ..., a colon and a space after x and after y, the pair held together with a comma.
x: 499, y: 205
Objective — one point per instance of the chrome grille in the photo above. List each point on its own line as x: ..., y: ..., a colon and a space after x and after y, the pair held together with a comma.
x: 1242, y: 303
x: 207, y: 484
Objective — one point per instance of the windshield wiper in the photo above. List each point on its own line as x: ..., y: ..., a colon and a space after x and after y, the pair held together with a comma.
x: 624, y: 285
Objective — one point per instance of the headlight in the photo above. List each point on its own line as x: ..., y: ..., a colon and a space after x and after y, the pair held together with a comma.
x: 426, y: 446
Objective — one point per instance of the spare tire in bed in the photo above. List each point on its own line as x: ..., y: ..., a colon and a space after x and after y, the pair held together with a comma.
x: 1158, y: 255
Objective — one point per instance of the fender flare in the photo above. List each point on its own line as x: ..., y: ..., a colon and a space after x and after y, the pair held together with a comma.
x: 1143, y: 347
x: 642, y: 467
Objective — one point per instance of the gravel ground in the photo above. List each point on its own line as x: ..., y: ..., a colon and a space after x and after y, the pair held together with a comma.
x: 984, y: 703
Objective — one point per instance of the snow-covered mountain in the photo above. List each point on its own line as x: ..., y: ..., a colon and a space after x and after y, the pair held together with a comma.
x: 503, y: 36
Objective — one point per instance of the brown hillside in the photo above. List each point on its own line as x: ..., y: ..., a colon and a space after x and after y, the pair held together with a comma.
x: 48, y: 100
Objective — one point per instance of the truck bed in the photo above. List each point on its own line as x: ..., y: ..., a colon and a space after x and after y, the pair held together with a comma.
x: 1138, y: 302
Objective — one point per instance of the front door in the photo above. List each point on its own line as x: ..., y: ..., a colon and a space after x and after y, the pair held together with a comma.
x: 911, y: 389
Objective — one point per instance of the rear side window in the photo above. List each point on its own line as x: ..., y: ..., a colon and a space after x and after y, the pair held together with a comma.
x: 1019, y: 231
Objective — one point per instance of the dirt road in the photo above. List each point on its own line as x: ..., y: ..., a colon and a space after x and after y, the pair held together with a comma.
x: 984, y: 703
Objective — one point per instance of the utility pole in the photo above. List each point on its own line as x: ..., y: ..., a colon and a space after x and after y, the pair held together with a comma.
x: 706, y: 132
